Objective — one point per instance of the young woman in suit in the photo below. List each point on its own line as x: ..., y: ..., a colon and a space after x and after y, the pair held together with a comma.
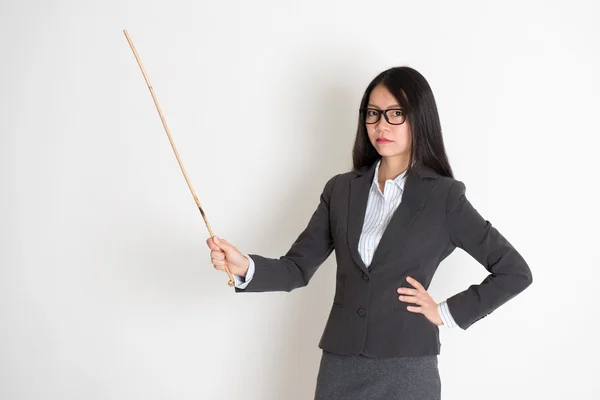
x: 391, y: 221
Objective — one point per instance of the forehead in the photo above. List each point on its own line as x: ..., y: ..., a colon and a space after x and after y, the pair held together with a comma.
x: 380, y: 96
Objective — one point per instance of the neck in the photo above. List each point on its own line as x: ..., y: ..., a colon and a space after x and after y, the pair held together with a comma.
x: 391, y: 167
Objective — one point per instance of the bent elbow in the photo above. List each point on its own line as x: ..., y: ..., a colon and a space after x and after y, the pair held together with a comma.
x: 528, y: 281
x: 525, y: 278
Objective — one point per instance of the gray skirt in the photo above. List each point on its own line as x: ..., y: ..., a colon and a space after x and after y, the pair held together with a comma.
x: 364, y: 378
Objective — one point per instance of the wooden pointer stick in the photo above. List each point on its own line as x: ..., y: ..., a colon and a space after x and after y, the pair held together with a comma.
x: 164, y: 122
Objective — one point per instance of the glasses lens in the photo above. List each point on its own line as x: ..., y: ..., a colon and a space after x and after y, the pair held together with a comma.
x: 395, y: 117
x: 371, y: 115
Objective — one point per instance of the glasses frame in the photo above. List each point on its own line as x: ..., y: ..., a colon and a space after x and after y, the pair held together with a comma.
x: 384, y: 113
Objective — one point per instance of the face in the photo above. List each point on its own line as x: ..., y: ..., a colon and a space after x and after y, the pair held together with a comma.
x: 399, y: 136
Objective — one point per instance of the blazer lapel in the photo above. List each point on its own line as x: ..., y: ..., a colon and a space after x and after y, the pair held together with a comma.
x: 357, y: 208
x: 414, y: 197
x: 413, y: 201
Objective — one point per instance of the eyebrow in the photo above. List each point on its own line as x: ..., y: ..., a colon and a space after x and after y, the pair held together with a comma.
x: 391, y: 106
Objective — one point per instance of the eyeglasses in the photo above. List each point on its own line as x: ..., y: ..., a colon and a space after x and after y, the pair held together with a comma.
x: 393, y: 116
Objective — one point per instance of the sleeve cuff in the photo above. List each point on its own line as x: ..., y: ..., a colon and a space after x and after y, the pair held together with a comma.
x: 446, y: 316
x: 241, y: 282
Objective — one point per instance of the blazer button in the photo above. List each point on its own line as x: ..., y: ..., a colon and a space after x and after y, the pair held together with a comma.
x: 365, y: 276
x: 362, y: 312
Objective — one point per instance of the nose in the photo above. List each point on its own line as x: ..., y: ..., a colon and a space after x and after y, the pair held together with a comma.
x: 382, y: 122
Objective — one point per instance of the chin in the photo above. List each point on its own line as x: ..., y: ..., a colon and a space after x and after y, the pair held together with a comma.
x: 392, y: 153
x: 386, y: 151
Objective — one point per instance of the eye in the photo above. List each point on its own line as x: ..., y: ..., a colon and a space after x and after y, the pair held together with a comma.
x: 372, y: 113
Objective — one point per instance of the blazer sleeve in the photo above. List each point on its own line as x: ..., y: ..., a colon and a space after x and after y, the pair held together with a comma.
x: 295, y: 269
x: 509, y: 273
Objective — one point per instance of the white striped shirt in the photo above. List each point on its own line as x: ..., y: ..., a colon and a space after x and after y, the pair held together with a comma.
x: 379, y: 212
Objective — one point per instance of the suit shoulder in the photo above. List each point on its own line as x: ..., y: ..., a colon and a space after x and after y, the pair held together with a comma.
x: 453, y: 190
x: 338, y: 181
x: 447, y: 183
x: 345, y: 176
x: 331, y: 182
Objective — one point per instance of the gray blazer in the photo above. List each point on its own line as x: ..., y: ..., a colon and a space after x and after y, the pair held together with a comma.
x: 433, y: 218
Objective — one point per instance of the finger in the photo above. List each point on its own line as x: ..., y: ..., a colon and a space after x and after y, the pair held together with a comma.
x: 220, y: 267
x: 222, y: 243
x: 218, y: 240
x: 411, y: 299
x: 217, y: 260
x: 217, y: 255
x: 422, y: 301
x: 409, y: 291
x: 415, y: 309
x: 219, y: 263
x: 211, y: 244
x: 415, y: 283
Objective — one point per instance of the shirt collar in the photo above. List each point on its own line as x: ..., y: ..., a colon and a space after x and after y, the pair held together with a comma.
x: 399, y: 180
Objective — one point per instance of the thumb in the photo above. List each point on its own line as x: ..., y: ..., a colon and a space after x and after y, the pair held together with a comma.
x: 223, y: 244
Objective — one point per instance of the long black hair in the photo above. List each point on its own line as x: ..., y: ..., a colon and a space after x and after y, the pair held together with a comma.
x: 414, y: 94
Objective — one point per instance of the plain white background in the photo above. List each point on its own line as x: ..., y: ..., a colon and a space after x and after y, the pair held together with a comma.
x: 107, y: 290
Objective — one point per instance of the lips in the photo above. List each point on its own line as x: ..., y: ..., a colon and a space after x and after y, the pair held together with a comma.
x: 383, y: 140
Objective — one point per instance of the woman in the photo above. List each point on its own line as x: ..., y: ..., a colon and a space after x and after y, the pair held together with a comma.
x: 391, y: 220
